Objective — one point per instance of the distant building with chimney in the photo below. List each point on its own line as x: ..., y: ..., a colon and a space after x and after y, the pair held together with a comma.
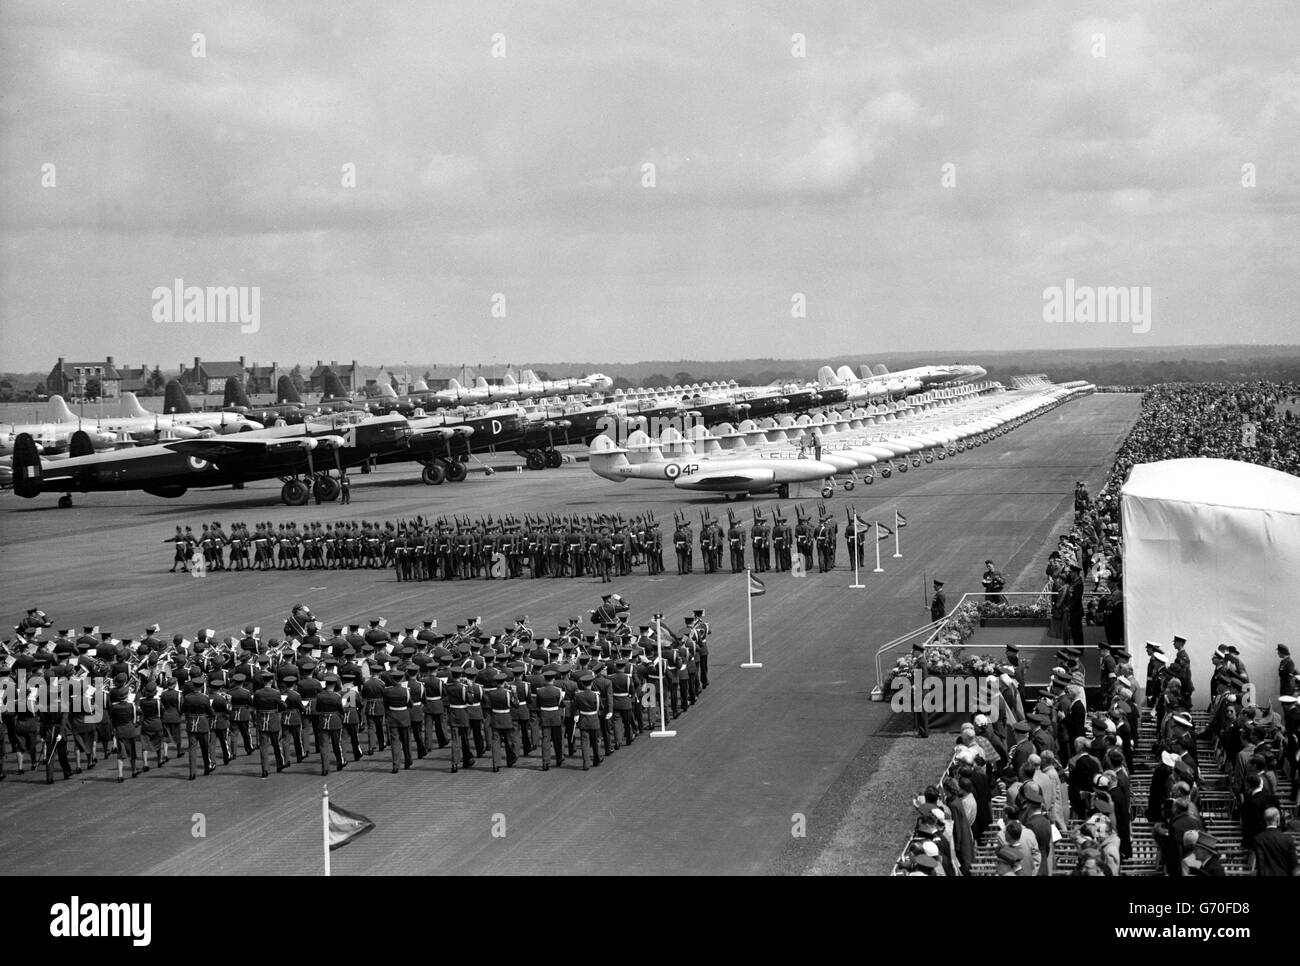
x: 210, y: 377
x: 71, y: 379
x: 348, y: 374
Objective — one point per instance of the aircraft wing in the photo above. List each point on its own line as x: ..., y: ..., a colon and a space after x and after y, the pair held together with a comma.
x: 220, y: 447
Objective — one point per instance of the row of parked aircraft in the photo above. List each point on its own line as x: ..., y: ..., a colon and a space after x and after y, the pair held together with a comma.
x: 168, y: 453
x: 772, y: 455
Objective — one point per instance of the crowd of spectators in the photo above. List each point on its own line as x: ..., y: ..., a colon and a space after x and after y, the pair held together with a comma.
x: 1255, y: 422
x: 1050, y: 760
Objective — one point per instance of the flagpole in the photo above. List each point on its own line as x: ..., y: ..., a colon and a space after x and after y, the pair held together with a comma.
x: 749, y: 604
x: 896, y: 529
x: 325, y: 825
x: 663, y: 731
x: 879, y: 569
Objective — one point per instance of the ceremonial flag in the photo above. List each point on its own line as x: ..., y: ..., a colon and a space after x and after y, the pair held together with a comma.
x: 342, y: 826
x: 883, y: 532
x: 756, y: 587
x: 899, y: 519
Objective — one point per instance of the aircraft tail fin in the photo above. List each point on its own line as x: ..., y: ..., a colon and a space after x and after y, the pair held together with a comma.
x: 879, y: 370
x: 455, y: 386
x: 332, y: 386
x: 285, y: 391
x: 480, y: 382
x: 420, y: 386
x: 235, y: 395
x: 826, y: 377
x: 130, y: 406
x: 606, y: 458
x: 59, y: 411
x: 80, y: 444
x: 27, y: 464
x: 845, y: 374
x: 509, y: 380
x: 386, y: 391
x: 174, y: 398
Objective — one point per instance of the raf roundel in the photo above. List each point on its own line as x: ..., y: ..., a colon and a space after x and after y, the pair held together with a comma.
x: 197, y: 464
x: 672, y: 471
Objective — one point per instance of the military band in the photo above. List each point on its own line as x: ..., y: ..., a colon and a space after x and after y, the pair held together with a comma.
x: 581, y: 694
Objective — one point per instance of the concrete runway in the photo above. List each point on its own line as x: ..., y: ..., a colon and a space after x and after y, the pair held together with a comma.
x: 796, y: 736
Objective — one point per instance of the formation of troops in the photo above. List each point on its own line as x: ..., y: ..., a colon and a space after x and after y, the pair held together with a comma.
x: 604, y: 546
x: 307, y: 694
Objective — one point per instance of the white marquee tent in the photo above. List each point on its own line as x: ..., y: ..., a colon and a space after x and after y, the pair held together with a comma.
x: 1212, y: 552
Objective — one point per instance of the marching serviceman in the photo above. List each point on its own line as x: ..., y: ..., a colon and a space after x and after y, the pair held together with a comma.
x: 372, y: 698
x: 126, y: 730
x: 241, y: 708
x: 266, y: 706
x: 550, y: 718
x: 622, y: 697
x: 415, y: 688
x: 221, y: 715
x: 329, y: 724
x: 457, y: 696
x: 587, y: 702
x: 498, y: 702
x: 397, y: 716
x: 197, y: 709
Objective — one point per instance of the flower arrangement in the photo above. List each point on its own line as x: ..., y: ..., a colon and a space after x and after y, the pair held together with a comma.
x: 943, y: 654
x: 1038, y: 610
x: 944, y: 661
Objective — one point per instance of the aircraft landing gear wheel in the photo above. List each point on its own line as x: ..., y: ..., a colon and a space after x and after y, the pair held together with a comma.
x: 294, y: 493
x: 902, y: 467
x: 456, y: 472
x: 951, y: 452
x: 65, y: 501
x: 930, y: 459
x: 869, y: 479
x: 783, y: 491
x: 961, y: 447
x: 886, y: 472
x: 535, y: 460
x: 828, y: 490
x: 916, y: 461
x: 326, y: 489
x: 553, y: 459
x: 433, y: 474
x: 849, y: 485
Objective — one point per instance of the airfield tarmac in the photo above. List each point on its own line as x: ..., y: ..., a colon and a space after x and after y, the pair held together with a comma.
x: 762, y: 745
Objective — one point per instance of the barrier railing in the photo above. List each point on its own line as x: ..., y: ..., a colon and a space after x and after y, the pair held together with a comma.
x: 931, y: 630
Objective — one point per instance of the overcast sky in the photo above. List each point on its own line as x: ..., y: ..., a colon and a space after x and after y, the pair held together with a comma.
x: 523, y: 175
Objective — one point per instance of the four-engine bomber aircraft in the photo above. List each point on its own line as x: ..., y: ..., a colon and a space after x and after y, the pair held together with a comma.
x: 301, y: 456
